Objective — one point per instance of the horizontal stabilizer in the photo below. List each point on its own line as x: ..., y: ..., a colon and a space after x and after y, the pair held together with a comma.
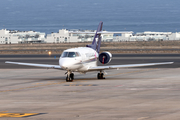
x: 104, y: 32
x: 114, y: 32
x: 82, y: 32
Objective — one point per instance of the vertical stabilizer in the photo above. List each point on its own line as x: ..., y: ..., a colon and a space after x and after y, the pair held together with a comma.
x: 97, y: 39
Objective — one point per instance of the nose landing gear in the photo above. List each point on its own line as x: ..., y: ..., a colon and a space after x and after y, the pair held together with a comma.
x: 100, y: 75
x: 70, y: 76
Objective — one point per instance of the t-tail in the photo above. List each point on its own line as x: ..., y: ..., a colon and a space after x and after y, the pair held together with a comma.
x: 96, y: 44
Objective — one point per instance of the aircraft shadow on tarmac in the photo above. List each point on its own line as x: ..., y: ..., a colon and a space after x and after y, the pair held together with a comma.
x: 76, y: 79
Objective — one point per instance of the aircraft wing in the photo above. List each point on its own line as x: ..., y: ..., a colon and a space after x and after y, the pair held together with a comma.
x: 36, y: 65
x: 126, y: 66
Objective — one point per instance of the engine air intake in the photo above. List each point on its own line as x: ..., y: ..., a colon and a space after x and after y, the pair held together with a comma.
x: 105, y: 57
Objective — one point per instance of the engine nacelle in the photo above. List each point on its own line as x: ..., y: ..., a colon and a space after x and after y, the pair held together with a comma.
x: 105, y: 57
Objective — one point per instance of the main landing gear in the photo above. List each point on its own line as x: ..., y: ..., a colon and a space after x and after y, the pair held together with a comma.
x: 100, y: 75
x: 70, y: 76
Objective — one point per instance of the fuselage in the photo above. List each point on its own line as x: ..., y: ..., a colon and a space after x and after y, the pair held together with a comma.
x: 78, y: 59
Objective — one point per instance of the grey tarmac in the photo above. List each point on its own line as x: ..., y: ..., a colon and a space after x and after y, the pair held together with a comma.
x: 148, y: 93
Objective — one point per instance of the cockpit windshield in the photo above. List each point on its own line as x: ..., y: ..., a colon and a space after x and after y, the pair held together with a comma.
x: 70, y: 54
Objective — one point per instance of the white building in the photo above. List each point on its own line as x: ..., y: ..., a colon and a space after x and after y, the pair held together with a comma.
x: 148, y: 36
x: 62, y: 36
x: 28, y: 36
x: 65, y: 36
x: 12, y: 37
x: 123, y: 37
x: 174, y: 36
x: 90, y: 37
x: 6, y: 37
x: 107, y: 37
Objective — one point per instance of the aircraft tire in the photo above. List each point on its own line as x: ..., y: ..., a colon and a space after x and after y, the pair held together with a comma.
x: 102, y: 76
x: 67, y: 80
x: 98, y: 76
x: 72, y: 76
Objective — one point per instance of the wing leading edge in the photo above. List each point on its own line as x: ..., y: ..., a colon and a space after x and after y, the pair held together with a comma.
x: 126, y: 66
x: 36, y: 65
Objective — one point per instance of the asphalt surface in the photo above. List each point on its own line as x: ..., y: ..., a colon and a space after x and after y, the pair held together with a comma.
x: 149, y: 93
x: 125, y: 94
x: 117, y: 59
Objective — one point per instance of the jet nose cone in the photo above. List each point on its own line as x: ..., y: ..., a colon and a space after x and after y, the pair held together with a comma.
x: 64, y: 64
x: 69, y: 63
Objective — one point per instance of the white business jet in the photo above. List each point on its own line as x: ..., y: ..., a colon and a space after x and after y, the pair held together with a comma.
x: 84, y: 59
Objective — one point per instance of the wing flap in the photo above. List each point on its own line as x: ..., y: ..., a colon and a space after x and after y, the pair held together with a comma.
x: 126, y: 66
x: 35, y: 65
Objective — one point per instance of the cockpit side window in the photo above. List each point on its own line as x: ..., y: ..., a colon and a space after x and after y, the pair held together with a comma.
x: 64, y: 54
x: 71, y: 54
x: 77, y: 54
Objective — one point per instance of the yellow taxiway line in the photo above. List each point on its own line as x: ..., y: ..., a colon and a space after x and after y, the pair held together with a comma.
x: 2, y: 114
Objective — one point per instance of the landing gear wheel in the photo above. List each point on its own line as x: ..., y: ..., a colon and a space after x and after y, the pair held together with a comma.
x: 100, y: 76
x: 70, y: 78
x: 67, y: 79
